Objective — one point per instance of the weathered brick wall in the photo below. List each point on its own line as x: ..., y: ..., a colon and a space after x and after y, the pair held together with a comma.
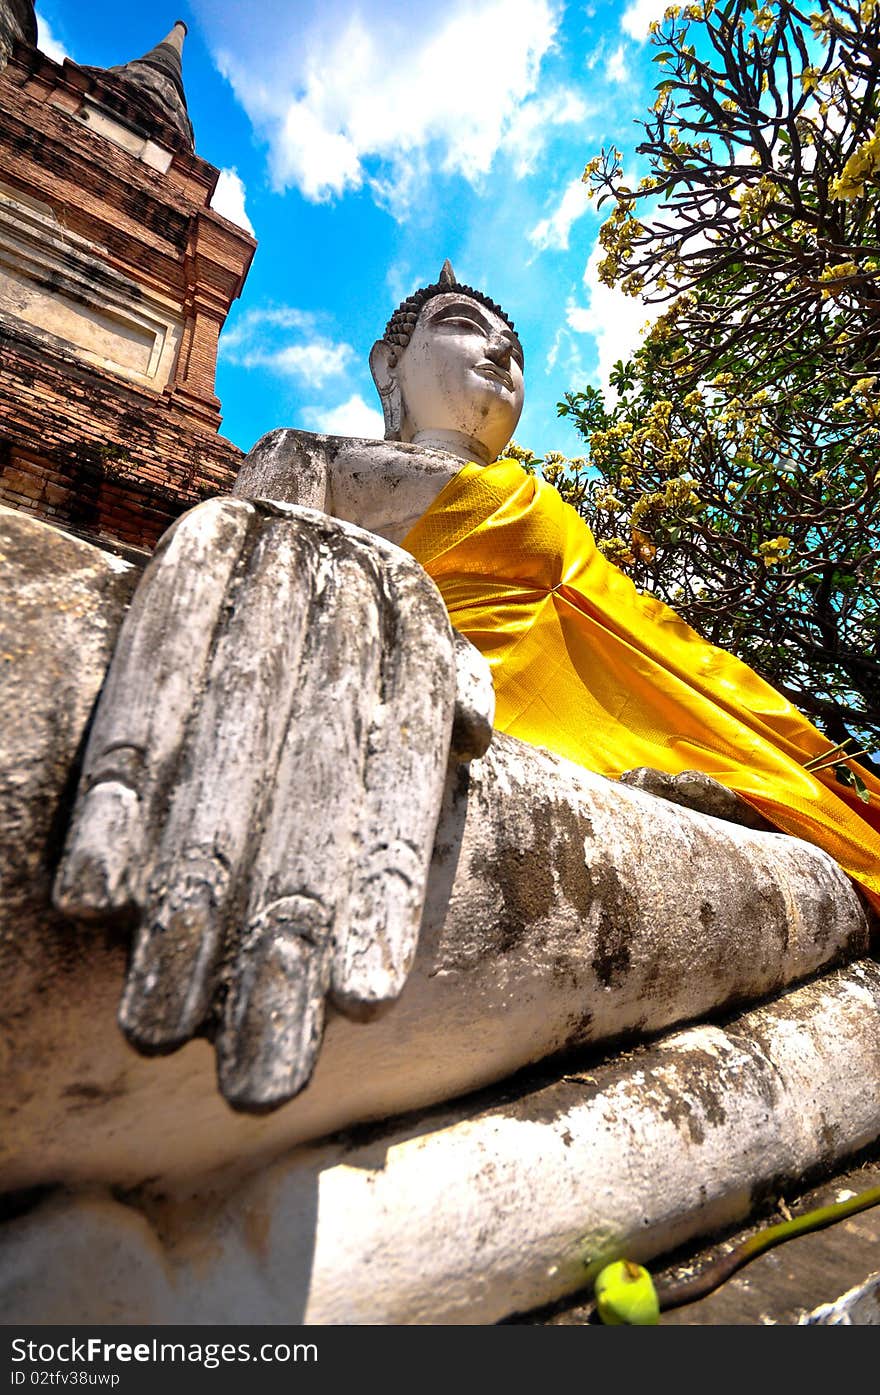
x: 108, y: 459
x: 78, y: 444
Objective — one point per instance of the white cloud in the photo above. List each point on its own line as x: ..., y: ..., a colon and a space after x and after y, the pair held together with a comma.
x: 228, y: 199
x: 267, y: 319
x: 362, y: 95
x: 595, y: 56
x: 528, y: 128
x: 553, y: 351
x: 261, y: 339
x: 616, y: 321
x: 637, y: 17
x: 616, y: 69
x: 565, y: 351
x: 47, y: 42
x: 313, y: 363
x: 553, y: 232
x: 351, y: 418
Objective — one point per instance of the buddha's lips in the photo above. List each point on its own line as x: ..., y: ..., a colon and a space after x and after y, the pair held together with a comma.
x: 492, y: 370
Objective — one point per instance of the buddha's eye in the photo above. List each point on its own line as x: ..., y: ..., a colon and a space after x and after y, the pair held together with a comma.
x: 461, y: 322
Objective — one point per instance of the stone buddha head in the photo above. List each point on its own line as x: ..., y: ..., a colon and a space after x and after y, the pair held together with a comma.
x: 449, y: 371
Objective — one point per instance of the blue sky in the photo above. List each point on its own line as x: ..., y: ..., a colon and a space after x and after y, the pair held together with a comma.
x: 365, y: 142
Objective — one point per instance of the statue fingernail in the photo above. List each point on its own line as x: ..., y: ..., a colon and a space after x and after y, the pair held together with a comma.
x: 93, y: 878
x: 171, y: 980
x: 274, y: 1016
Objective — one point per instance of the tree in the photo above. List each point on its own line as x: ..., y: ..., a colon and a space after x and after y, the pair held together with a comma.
x: 737, y: 473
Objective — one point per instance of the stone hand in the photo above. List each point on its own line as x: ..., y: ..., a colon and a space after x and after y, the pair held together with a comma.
x: 692, y: 789
x: 262, y: 784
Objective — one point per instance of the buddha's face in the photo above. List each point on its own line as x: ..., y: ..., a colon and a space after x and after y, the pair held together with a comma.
x: 460, y: 372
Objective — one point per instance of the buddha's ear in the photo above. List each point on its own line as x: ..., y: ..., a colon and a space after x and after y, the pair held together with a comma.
x: 383, y: 362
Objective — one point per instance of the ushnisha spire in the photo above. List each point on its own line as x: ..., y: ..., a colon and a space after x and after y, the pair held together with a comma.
x: 399, y: 328
x: 158, y: 76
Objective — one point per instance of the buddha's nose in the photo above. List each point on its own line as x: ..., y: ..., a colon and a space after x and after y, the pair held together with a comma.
x: 498, y: 350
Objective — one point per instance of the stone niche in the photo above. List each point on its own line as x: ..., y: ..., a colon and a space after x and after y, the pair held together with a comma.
x: 136, y: 142
x: 60, y: 283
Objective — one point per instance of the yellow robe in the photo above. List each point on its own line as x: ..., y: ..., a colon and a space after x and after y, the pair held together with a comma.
x: 587, y: 667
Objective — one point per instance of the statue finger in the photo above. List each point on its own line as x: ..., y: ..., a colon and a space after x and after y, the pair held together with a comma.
x: 274, y: 1011
x: 156, y: 673
x: 220, y: 801
x: 693, y: 789
x: 407, y: 758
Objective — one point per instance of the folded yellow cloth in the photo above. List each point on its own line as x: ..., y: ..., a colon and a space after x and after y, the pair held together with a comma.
x: 589, y: 668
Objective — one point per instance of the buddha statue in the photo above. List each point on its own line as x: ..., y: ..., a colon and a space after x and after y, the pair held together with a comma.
x: 449, y: 372
x: 264, y: 775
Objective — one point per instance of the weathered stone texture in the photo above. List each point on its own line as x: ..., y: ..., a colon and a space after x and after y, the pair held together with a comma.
x: 561, y: 909
x: 483, y: 1210
x: 61, y: 602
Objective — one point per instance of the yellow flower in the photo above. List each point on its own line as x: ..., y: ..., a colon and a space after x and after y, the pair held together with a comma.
x: 608, y: 270
x: 837, y: 275
x: 756, y: 200
x: 617, y: 551
x: 607, y: 500
x: 774, y: 551
x: 863, y: 165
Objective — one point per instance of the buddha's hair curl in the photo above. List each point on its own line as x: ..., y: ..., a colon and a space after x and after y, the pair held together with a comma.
x: 399, y: 329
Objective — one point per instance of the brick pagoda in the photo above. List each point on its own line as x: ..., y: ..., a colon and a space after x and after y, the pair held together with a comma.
x: 115, y: 280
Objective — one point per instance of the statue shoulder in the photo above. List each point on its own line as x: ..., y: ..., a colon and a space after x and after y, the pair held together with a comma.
x: 383, y: 486
x: 288, y: 466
